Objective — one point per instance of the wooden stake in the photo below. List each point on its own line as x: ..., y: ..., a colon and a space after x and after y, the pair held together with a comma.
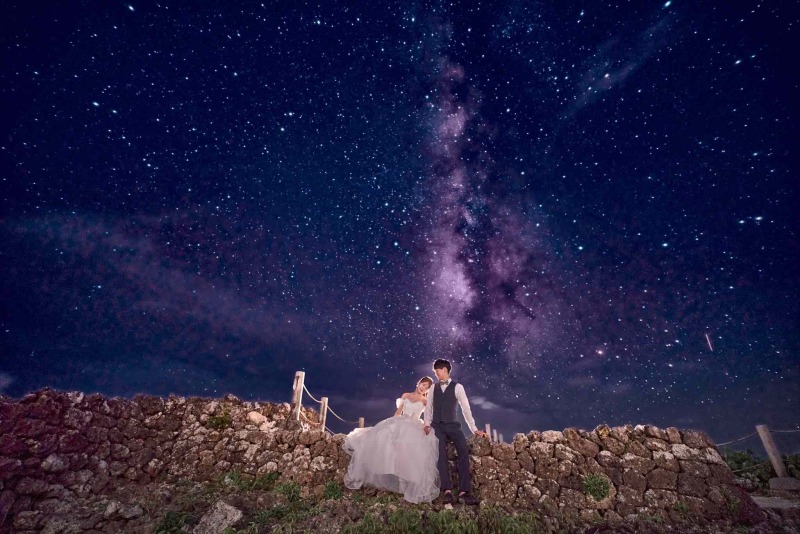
x: 494, y: 436
x: 297, y: 394
x: 500, y: 437
x: 489, y: 431
x: 323, y: 412
x: 360, y: 422
x: 772, y: 451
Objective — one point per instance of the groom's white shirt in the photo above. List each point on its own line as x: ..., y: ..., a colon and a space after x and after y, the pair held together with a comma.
x: 461, y: 397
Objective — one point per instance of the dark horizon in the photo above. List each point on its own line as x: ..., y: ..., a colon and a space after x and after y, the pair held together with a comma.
x: 590, y: 211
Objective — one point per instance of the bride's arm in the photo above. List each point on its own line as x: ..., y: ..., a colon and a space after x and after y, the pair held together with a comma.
x: 400, y: 405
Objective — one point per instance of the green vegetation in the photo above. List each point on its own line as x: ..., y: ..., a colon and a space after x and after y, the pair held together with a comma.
x: 246, y: 483
x: 653, y: 519
x: 171, y: 523
x: 748, y: 465
x: 757, y: 469
x: 682, y: 507
x: 448, y: 522
x: 333, y: 490
x: 368, y: 525
x: 263, y: 517
x: 404, y: 520
x: 490, y: 520
x: 290, y: 490
x: 731, y: 502
x: 220, y: 422
x: 381, y: 498
x: 597, y: 486
x: 792, y: 465
x: 283, y: 517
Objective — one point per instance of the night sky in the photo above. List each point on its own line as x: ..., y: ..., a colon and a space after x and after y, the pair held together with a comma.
x: 590, y: 208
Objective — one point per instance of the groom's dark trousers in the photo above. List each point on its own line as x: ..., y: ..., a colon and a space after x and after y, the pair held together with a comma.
x: 452, y: 432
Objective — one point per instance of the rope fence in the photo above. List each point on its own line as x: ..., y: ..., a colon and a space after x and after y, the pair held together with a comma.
x: 340, y: 419
x: 750, y: 467
x: 297, y: 400
x: 755, y: 433
x: 737, y: 440
x: 310, y: 395
x: 773, y: 454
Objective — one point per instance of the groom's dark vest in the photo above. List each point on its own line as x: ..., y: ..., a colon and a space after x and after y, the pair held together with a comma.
x: 444, y: 404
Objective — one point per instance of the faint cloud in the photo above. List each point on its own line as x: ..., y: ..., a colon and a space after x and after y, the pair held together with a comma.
x: 484, y: 403
x: 5, y: 381
x: 616, y: 59
x: 583, y: 381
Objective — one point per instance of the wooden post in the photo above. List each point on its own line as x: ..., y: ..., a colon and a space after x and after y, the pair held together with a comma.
x: 297, y: 394
x: 360, y: 422
x: 494, y: 436
x: 489, y: 431
x: 323, y: 412
x: 500, y: 437
x: 772, y: 451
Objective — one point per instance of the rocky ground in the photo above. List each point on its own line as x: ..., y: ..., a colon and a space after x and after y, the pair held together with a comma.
x: 237, y: 504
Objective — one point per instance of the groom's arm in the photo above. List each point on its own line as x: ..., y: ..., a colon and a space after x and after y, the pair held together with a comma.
x: 461, y: 396
x: 428, y: 410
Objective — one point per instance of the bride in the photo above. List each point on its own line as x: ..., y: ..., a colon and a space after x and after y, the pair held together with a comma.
x: 396, y: 454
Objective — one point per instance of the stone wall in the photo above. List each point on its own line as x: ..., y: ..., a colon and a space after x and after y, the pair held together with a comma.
x: 58, y: 446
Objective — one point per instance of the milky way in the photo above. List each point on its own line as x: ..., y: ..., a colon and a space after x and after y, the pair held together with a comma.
x: 589, y: 210
x: 482, y: 251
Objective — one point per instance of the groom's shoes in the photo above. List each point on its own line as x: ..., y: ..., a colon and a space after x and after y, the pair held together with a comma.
x: 449, y: 498
x: 469, y: 499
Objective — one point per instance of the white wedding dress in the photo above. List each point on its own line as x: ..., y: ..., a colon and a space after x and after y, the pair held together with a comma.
x: 395, y: 455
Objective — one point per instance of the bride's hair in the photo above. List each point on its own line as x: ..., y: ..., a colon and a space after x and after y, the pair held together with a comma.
x: 425, y: 379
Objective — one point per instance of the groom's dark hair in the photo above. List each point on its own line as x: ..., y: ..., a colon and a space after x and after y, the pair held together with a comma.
x: 438, y: 364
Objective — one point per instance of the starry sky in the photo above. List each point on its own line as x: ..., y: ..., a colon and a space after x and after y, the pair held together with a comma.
x: 590, y: 208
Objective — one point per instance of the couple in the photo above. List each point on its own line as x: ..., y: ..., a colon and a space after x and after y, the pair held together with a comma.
x: 401, y: 454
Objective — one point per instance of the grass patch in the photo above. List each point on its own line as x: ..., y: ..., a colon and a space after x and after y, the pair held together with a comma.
x: 757, y: 469
x: 369, y: 525
x: 246, y: 483
x: 221, y: 421
x: 491, y: 519
x: 171, y: 523
x: 651, y: 519
x: 404, y: 520
x: 283, y: 517
x: 276, y: 513
x: 682, y: 508
x: 333, y: 490
x: 597, y: 486
x: 731, y: 502
x: 448, y: 522
x: 290, y: 490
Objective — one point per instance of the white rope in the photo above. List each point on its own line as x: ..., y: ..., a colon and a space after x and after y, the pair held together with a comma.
x: 339, y: 418
x: 737, y: 440
x: 310, y: 395
x: 329, y: 408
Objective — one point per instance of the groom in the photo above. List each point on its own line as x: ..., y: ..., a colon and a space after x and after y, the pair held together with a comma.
x: 440, y: 414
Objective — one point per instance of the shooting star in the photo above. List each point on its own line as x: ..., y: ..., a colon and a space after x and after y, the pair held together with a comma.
x: 708, y: 339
